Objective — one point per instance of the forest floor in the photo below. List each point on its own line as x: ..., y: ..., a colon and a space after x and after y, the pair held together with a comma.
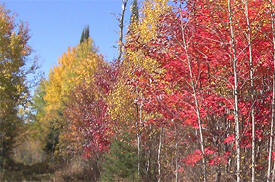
x: 47, y: 171
x: 17, y: 172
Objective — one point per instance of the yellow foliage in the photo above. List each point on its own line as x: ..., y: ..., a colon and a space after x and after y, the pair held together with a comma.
x: 121, y: 100
x: 13, y: 51
x: 146, y: 30
x: 75, y: 66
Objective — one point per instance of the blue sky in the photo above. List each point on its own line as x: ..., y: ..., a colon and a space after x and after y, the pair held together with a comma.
x: 56, y: 25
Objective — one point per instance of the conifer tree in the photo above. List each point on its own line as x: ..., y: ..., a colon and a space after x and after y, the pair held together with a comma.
x: 85, y: 34
x: 120, y: 162
x: 134, y: 10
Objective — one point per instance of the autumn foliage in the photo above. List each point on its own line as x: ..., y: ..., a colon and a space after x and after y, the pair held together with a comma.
x: 190, y: 99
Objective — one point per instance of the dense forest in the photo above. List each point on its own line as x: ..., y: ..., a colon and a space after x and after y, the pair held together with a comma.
x: 190, y: 97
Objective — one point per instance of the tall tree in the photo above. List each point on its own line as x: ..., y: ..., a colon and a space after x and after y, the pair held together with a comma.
x: 79, y: 64
x: 211, y: 52
x: 85, y: 34
x: 249, y: 42
x: 134, y: 11
x: 14, y: 50
x: 271, y: 142
x: 234, y: 60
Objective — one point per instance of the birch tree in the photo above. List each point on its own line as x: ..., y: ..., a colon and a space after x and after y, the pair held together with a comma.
x: 193, y: 86
x: 235, y: 93
x: 251, y: 91
x: 273, y: 99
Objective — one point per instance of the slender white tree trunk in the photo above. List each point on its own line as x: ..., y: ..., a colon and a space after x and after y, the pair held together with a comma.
x: 196, y: 102
x: 252, y: 92
x: 139, y: 125
x: 138, y: 110
x: 138, y: 118
x: 273, y: 102
x: 235, y: 92
x: 159, y: 153
x: 138, y: 145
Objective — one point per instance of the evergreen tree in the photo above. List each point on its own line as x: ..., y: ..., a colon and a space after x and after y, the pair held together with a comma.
x: 120, y: 162
x: 134, y: 10
x: 85, y: 34
x: 52, y: 141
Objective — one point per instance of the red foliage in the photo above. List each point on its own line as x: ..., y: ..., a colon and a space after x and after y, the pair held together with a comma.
x: 210, y: 52
x: 230, y: 139
x: 193, y: 158
x: 87, y: 113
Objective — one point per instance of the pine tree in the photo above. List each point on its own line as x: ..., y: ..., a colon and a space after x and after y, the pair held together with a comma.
x: 85, y: 34
x: 120, y: 162
x: 134, y: 10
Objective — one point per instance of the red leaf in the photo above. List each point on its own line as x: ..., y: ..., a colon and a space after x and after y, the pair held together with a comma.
x: 189, y: 121
x: 229, y: 139
x: 273, y: 156
x: 192, y: 159
x: 230, y: 117
x: 208, y: 151
x: 181, y: 170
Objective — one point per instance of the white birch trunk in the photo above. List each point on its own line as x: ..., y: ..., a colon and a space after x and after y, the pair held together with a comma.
x: 139, y: 139
x: 159, y: 153
x: 273, y: 102
x: 235, y: 92
x: 252, y: 92
x: 138, y: 131
x: 196, y: 103
x: 138, y: 145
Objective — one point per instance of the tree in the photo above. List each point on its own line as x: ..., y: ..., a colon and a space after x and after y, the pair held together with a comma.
x: 88, y: 129
x: 127, y: 96
x: 14, y: 50
x: 120, y: 162
x: 213, y: 45
x: 85, y: 35
x: 134, y: 10
x: 271, y: 143
x: 78, y: 65
x: 39, y: 126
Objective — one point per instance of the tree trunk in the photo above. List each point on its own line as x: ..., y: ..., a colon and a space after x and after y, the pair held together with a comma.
x: 196, y: 102
x: 252, y: 92
x: 139, y: 125
x: 159, y: 152
x: 138, y: 146
x: 138, y: 139
x: 149, y: 152
x: 121, y: 25
x: 235, y: 93
x: 176, y: 146
x: 273, y: 102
